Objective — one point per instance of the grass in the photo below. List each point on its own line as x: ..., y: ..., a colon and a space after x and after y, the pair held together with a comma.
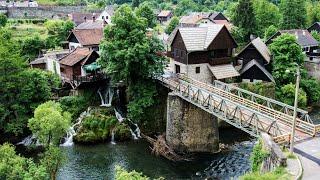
x: 288, y: 154
x: 20, y: 31
x: 278, y: 174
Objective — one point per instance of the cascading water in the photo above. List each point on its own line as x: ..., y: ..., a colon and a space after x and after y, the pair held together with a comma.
x: 106, y: 98
x: 72, y: 130
x: 134, y: 128
x: 30, y: 140
x: 112, y: 137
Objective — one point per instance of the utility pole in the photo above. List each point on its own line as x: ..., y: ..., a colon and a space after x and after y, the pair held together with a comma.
x: 295, y: 111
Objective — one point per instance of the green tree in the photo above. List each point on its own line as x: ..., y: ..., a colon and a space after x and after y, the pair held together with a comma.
x: 135, y: 3
x: 172, y: 25
x: 139, y: 54
x: 293, y: 14
x: 3, y: 20
x: 52, y: 159
x: 145, y: 11
x: 31, y: 47
x: 15, y: 167
x: 287, y: 95
x: 286, y: 52
x: 315, y: 35
x: 244, y: 18
x: 270, y: 31
x: 185, y: 6
x: 58, y: 31
x: 266, y: 14
x: 122, y: 174
x: 49, y: 123
x: 313, y: 12
x: 312, y: 88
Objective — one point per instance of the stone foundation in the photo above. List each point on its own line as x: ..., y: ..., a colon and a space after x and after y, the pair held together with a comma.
x: 189, y: 128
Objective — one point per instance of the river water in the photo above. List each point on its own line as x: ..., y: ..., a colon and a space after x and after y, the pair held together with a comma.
x: 98, y: 161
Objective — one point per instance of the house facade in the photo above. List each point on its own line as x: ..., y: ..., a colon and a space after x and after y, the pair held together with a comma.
x: 254, y: 60
x: 314, y: 27
x: 73, y: 64
x: 89, y: 38
x: 204, y: 18
x: 164, y: 16
x: 203, y: 53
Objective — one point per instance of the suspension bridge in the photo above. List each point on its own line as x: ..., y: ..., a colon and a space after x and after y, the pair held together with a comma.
x: 242, y: 109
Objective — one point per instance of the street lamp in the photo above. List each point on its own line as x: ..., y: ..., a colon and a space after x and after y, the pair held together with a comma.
x: 295, y: 109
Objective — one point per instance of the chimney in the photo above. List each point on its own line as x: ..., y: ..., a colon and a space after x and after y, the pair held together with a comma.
x: 85, y: 19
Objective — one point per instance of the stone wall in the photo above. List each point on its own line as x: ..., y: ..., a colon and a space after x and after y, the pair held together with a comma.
x: 43, y: 12
x: 276, y: 157
x: 189, y: 128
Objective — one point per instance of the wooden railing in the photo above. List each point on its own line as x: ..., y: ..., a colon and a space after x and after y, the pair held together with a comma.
x: 75, y: 81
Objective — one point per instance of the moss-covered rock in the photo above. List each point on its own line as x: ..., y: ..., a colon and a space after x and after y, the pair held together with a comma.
x: 122, y: 132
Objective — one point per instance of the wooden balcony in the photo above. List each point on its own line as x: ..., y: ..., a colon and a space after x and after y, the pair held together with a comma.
x: 219, y: 61
x: 76, y: 81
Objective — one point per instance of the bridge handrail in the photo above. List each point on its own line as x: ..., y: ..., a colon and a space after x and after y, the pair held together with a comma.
x: 301, y: 125
x: 271, y: 113
x: 304, y: 114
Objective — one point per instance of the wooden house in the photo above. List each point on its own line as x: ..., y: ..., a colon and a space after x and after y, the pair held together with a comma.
x: 203, y: 53
x: 314, y: 27
x: 255, y: 59
x: 164, y: 16
x: 89, y: 38
x: 308, y: 44
x: 72, y: 65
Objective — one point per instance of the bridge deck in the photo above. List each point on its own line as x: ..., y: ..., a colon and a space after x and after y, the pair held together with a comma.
x: 238, y: 111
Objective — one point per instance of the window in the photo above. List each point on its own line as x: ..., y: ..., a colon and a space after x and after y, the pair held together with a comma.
x: 211, y: 54
x: 177, y: 68
x: 197, y: 70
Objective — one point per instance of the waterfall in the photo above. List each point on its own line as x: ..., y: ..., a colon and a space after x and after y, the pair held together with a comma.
x: 112, y: 137
x: 71, y: 132
x: 30, y: 140
x: 106, y: 98
x: 134, y: 128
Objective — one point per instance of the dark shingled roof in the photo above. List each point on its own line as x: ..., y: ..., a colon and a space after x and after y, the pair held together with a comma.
x: 304, y: 38
x: 79, y: 18
x: 261, y: 47
x: 255, y: 63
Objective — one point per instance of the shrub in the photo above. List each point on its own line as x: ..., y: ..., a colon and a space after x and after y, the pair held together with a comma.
x: 257, y: 156
x: 122, y: 174
x: 287, y: 95
x: 73, y: 104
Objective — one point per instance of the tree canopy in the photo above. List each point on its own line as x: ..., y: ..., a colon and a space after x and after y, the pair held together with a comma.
x: 49, y: 123
x: 172, y: 25
x: 140, y: 57
x: 145, y: 11
x: 294, y: 14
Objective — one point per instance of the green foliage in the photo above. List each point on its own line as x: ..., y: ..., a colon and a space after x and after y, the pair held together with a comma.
x: 96, y: 128
x: 312, y: 88
x: 315, y: 35
x: 263, y: 89
x: 287, y: 95
x: 58, y: 31
x: 145, y: 11
x: 313, y: 12
x: 293, y: 14
x: 15, y: 167
x: 277, y: 174
x: 122, y: 132
x: 140, y: 60
x: 285, y: 52
x: 267, y: 14
x: 75, y: 105
x: 122, y: 174
x: 3, y: 20
x: 244, y: 18
x: 49, y: 123
x: 185, y: 6
x: 271, y: 30
x: 52, y: 160
x: 257, y: 156
x: 172, y: 25
x: 31, y: 47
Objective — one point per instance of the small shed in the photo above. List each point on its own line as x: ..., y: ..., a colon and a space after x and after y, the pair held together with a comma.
x: 164, y: 15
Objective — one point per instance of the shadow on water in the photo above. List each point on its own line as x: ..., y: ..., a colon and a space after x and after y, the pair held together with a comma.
x: 97, y: 162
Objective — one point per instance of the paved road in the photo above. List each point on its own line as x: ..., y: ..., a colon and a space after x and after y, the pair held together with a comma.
x: 309, y: 152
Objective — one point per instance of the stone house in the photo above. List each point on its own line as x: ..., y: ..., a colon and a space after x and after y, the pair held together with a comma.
x: 106, y: 15
x: 254, y: 60
x: 203, y: 53
x: 50, y: 61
